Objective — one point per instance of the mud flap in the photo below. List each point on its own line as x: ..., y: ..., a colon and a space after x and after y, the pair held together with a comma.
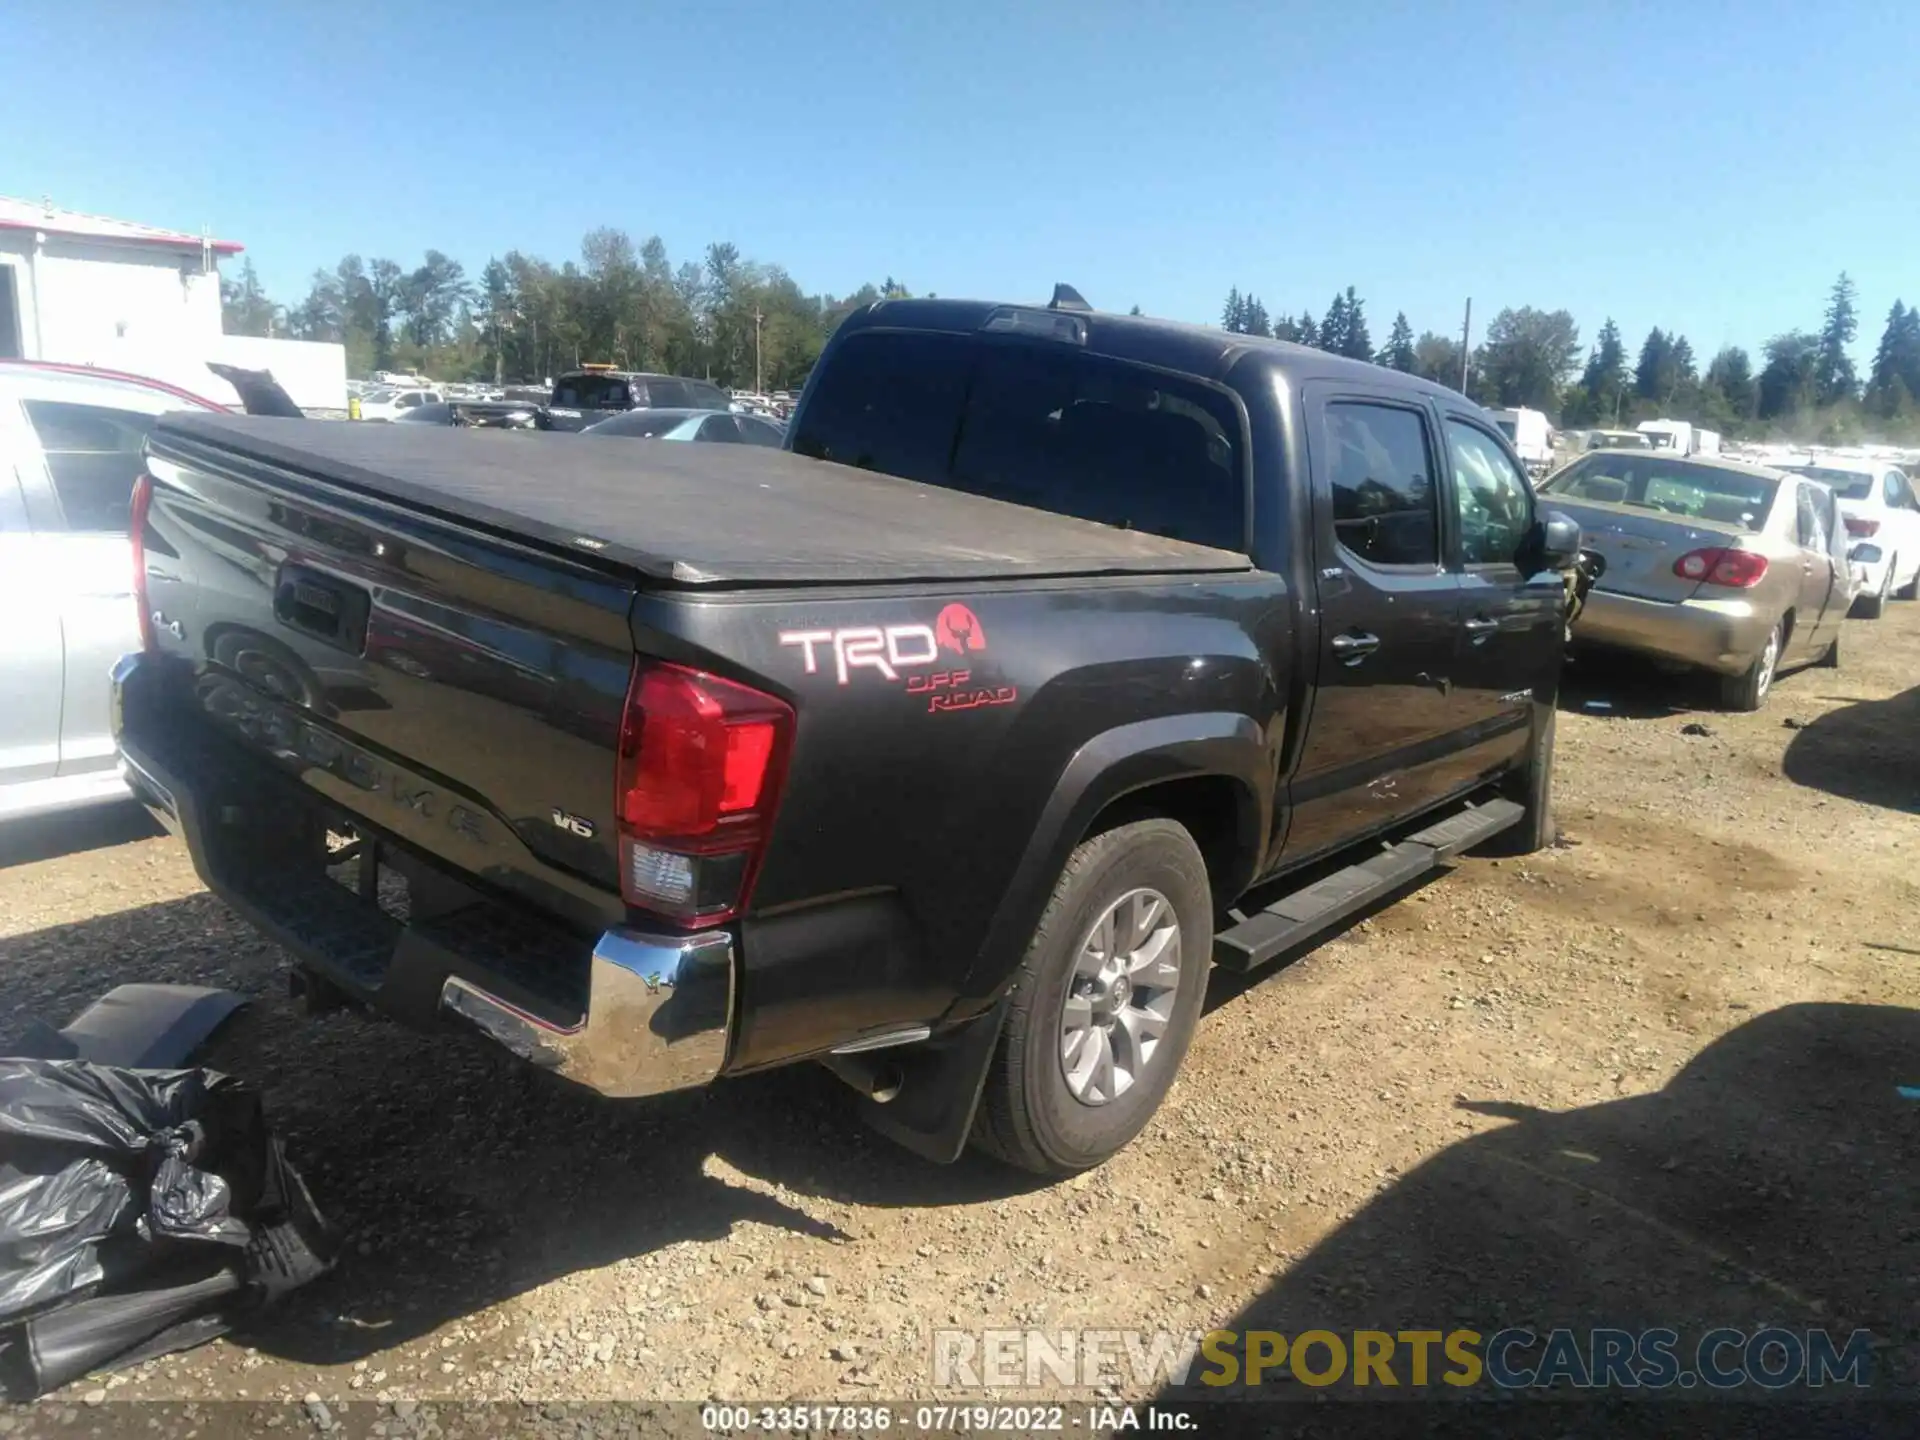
x: 140, y: 1027
x: 940, y: 1085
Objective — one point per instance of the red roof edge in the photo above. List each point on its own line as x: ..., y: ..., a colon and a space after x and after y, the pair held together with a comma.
x: 98, y: 372
x: 172, y: 242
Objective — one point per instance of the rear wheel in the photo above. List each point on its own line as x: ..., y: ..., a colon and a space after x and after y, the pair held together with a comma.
x: 1748, y: 690
x: 1104, y: 1004
x: 1830, y: 658
x: 1911, y: 589
x: 1868, y: 607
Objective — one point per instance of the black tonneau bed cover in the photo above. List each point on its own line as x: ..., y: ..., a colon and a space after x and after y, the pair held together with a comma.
x: 689, y: 514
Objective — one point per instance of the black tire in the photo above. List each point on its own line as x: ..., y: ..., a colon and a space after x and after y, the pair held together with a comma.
x: 1908, y: 591
x: 1869, y: 607
x: 1749, y: 689
x: 1531, y: 787
x: 1028, y: 1114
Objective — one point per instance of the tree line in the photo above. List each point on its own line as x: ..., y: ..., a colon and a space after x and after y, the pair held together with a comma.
x: 1806, y: 386
x: 619, y: 303
x: 524, y: 318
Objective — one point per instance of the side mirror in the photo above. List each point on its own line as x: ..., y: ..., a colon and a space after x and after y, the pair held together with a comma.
x: 1552, y: 544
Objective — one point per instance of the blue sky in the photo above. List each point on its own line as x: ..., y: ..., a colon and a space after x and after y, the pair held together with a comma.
x: 1703, y: 166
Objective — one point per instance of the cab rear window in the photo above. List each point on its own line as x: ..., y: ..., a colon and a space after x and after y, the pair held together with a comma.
x: 591, y: 392
x: 1045, y: 426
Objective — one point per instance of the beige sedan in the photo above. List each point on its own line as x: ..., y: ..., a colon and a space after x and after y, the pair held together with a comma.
x: 1729, y: 568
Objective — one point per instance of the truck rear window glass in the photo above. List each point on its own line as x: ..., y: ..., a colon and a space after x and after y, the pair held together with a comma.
x: 591, y: 392
x: 1049, y: 427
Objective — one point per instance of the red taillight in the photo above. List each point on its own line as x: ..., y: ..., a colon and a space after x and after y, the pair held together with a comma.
x: 137, y: 525
x: 1736, y: 569
x: 701, y: 760
x: 1861, y: 528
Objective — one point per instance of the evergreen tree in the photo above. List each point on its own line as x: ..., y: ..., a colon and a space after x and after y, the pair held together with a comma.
x: 1685, y: 373
x: 1309, y: 332
x: 1355, y: 343
x: 1398, y: 354
x: 1333, y: 326
x: 1253, y: 318
x: 1605, y: 380
x: 1730, y: 376
x: 1896, y: 364
x: 1652, y: 376
x: 1234, y: 315
x: 1833, y: 374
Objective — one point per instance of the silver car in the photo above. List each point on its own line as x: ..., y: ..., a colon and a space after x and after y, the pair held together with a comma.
x: 70, y: 447
x: 1733, y: 569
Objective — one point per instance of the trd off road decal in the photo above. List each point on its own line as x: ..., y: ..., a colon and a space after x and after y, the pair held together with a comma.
x: 905, y: 655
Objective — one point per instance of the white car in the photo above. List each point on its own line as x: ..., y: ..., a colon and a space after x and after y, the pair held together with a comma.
x: 70, y: 447
x: 1882, y: 517
x: 392, y: 404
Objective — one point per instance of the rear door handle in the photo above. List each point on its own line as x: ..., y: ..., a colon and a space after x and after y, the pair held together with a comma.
x: 1480, y: 629
x: 1352, y: 649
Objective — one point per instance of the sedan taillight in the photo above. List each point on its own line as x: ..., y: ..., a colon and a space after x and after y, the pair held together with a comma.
x: 1861, y: 528
x: 1736, y: 569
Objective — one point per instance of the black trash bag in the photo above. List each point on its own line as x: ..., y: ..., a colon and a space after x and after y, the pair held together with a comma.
x: 141, y: 1211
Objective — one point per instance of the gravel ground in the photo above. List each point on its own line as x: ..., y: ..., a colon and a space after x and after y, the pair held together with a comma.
x: 1647, y: 1074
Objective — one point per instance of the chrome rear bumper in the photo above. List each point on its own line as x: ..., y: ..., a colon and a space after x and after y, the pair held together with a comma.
x: 657, y: 1010
x: 658, y: 1015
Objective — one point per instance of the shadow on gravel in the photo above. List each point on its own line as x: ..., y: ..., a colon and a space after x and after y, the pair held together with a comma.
x: 1869, y: 752
x: 1771, y: 1183
x: 461, y: 1177
x: 1615, y: 685
x: 95, y: 828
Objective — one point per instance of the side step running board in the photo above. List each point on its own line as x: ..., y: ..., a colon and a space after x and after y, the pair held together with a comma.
x: 1268, y: 933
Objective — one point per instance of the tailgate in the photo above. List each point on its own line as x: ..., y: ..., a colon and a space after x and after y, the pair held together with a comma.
x: 1640, y: 546
x: 448, y: 686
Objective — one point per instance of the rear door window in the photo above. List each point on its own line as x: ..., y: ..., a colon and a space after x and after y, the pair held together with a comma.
x: 93, y: 455
x: 1808, y: 529
x: 1384, y: 508
x: 721, y: 428
x: 1049, y: 427
x: 673, y: 395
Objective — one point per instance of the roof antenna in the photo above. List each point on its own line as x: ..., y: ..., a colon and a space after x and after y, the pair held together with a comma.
x: 1065, y: 297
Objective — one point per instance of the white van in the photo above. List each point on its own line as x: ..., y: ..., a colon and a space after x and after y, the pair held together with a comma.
x: 1532, y: 436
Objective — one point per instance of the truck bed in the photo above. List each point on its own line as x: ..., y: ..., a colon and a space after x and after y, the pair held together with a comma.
x: 689, y: 514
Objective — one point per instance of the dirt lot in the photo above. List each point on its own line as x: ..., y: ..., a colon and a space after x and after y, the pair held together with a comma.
x: 1645, y: 1077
